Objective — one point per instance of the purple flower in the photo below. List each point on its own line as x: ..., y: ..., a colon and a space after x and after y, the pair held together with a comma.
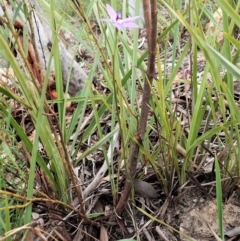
x: 118, y: 22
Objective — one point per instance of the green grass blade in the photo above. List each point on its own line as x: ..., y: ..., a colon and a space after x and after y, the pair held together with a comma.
x: 219, y: 199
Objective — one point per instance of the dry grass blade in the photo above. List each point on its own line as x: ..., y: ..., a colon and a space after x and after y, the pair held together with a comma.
x: 103, y: 234
x: 212, y: 231
x: 161, y: 234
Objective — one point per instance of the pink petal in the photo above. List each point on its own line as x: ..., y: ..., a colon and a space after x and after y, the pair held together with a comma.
x: 111, y: 12
x: 129, y: 25
x: 131, y: 19
x: 118, y: 26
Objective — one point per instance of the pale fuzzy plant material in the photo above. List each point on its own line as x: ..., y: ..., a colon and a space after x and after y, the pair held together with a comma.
x: 117, y: 21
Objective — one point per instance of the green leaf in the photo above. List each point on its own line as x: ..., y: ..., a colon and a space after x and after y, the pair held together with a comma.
x: 219, y: 199
x: 9, y: 94
x: 232, y: 14
x: 98, y: 144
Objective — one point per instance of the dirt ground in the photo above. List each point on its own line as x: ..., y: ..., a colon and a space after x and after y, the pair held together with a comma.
x: 192, y: 213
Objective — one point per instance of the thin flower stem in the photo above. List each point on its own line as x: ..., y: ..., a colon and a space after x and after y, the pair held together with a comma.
x: 115, y: 101
x: 151, y: 26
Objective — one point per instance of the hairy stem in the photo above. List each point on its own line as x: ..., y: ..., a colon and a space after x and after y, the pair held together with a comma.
x: 150, y: 15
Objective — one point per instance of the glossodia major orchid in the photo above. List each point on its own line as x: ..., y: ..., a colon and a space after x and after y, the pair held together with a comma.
x: 117, y: 21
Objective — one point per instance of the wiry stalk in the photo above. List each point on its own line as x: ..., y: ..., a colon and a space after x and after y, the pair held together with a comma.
x: 150, y: 15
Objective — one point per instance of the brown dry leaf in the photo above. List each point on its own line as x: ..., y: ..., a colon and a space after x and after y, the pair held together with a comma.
x: 39, y: 233
x: 29, y: 235
x: 103, y: 234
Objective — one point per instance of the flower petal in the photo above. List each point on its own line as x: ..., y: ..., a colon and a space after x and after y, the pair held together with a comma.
x: 118, y: 26
x: 129, y: 25
x: 111, y: 12
x: 131, y: 19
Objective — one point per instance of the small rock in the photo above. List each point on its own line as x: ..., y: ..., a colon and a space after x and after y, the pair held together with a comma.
x: 144, y: 189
